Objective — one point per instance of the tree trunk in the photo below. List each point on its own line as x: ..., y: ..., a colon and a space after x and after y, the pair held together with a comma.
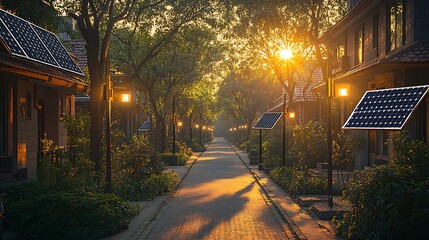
x: 96, y: 128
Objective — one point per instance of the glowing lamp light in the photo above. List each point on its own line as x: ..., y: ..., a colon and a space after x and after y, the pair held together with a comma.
x: 179, y: 124
x: 230, y: 129
x: 125, y: 97
x: 342, y: 90
x: 197, y: 126
x: 204, y: 127
x: 291, y: 115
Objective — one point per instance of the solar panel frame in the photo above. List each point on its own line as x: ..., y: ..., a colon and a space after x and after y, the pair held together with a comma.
x: 268, y: 120
x: 389, y: 116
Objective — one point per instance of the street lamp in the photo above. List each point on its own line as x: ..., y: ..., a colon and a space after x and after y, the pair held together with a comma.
x: 339, y: 90
x: 285, y: 54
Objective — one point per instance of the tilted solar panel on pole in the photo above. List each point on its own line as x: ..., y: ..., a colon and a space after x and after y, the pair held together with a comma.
x: 145, y: 127
x: 386, y: 109
x: 268, y: 120
x: 29, y: 41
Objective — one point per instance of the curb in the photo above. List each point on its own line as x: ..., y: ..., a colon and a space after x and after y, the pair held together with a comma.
x: 163, y: 201
x: 296, y: 232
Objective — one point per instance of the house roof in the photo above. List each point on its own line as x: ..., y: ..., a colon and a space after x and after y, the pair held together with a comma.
x: 415, y: 53
x: 306, y: 78
x: 25, y: 67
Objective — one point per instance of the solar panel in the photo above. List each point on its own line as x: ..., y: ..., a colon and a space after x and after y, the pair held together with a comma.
x: 268, y: 120
x: 145, y: 127
x: 27, y: 40
x: 386, y: 109
x: 10, y: 41
x: 57, y: 49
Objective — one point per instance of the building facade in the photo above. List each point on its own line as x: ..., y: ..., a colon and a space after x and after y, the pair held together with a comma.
x: 38, y: 80
x: 380, y: 44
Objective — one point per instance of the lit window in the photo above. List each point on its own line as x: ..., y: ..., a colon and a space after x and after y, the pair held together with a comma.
x: 359, y: 53
x: 396, y: 25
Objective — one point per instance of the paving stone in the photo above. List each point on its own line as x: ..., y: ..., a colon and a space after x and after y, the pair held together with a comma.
x: 219, y: 199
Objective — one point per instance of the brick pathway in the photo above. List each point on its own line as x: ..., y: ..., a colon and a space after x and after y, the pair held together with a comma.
x: 219, y: 199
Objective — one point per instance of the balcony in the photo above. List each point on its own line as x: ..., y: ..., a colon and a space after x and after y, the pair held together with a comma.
x: 340, y: 65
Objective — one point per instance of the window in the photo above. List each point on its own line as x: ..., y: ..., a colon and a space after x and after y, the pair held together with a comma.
x: 375, y: 32
x: 396, y: 20
x: 339, y: 51
x: 359, y: 48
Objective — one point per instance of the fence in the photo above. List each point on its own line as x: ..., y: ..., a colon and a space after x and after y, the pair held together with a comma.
x: 60, y: 154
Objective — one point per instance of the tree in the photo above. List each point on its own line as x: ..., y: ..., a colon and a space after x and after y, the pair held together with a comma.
x: 35, y: 11
x: 245, y: 94
x: 96, y: 21
x: 167, y: 61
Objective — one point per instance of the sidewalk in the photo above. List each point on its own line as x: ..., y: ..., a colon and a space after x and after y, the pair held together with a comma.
x: 151, y: 208
x: 302, y: 224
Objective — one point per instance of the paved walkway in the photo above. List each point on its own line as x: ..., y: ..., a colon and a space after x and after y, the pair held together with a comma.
x: 219, y: 199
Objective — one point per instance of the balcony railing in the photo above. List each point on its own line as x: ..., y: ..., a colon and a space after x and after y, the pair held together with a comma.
x: 60, y: 155
x: 340, y: 65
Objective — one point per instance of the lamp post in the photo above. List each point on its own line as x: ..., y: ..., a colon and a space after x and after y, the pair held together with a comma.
x: 341, y: 90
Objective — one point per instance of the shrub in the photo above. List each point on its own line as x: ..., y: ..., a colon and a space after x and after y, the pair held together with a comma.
x: 390, y: 201
x: 174, y: 159
x: 197, y: 147
x: 36, y: 212
x: 159, y: 185
x: 295, y: 182
x: 133, y: 164
x: 309, y: 143
x: 387, y: 202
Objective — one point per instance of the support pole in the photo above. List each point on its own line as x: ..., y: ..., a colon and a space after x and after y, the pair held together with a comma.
x: 284, y: 132
x: 329, y: 136
x: 108, y: 129
x: 260, y: 150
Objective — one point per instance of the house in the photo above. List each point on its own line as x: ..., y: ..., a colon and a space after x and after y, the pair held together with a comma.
x: 38, y: 79
x: 380, y: 44
x: 306, y: 103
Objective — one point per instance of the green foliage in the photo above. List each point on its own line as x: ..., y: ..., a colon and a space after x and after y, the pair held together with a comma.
x: 309, y: 143
x: 182, y: 148
x: 295, y: 182
x: 409, y: 152
x: 78, y: 133
x: 343, y: 150
x: 132, y: 165
x: 390, y: 201
x: 70, y: 215
x: 171, y: 159
x: 157, y: 185
x: 387, y: 202
x: 274, y: 149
